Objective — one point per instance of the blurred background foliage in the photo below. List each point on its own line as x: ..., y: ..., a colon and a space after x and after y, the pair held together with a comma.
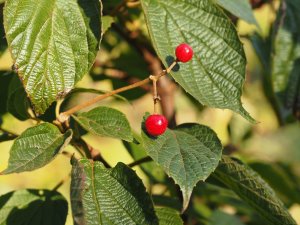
x: 271, y: 147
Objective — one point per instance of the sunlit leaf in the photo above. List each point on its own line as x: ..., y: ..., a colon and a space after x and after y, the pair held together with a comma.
x: 53, y: 44
x: 101, y: 196
x: 36, y: 147
x: 216, y: 73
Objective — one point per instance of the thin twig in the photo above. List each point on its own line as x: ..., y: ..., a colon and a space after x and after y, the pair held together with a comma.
x: 140, y: 161
x: 13, y: 135
x: 60, y: 183
x: 63, y: 117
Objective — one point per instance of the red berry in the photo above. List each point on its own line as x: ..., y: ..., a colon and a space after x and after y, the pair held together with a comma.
x: 184, y: 52
x: 156, y: 124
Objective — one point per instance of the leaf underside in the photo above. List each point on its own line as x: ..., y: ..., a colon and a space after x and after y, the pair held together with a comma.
x: 246, y: 183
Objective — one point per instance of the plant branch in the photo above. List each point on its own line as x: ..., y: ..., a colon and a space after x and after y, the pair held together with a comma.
x: 13, y: 135
x: 60, y: 183
x: 140, y: 161
x: 63, y: 117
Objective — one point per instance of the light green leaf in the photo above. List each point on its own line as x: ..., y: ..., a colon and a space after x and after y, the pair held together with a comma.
x: 239, y: 8
x: 222, y: 218
x: 106, y: 121
x: 168, y: 216
x: 216, y: 73
x: 188, y: 154
x: 107, y: 22
x: 33, y: 207
x: 36, y: 147
x: 53, y: 44
x: 254, y: 190
x: 101, y: 196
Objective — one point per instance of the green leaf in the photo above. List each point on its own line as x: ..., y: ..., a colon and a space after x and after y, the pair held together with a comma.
x: 239, y: 8
x: 168, y: 216
x: 17, y: 101
x: 286, y: 57
x: 188, y: 154
x: 280, y: 179
x: 33, y: 207
x: 107, y: 21
x: 53, y: 44
x: 221, y: 218
x: 106, y: 121
x: 3, y: 42
x: 5, y: 78
x: 154, y: 173
x: 253, y: 189
x: 109, y: 196
x: 216, y: 73
x: 36, y: 147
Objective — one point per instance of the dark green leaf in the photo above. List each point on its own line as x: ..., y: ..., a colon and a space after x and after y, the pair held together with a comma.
x: 5, y: 78
x: 216, y: 73
x: 188, y: 154
x: 33, y: 207
x: 286, y: 57
x: 155, y: 173
x: 282, y: 182
x: 168, y: 216
x: 106, y: 121
x: 36, y: 147
x: 53, y: 44
x: 17, y: 102
x: 109, y: 196
x: 239, y: 8
x: 254, y: 190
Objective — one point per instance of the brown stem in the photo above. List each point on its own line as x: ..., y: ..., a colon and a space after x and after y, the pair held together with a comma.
x: 63, y: 117
x: 60, y: 183
x: 140, y: 161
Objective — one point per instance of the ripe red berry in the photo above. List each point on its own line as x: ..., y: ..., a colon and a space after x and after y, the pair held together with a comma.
x: 184, y: 52
x: 156, y: 124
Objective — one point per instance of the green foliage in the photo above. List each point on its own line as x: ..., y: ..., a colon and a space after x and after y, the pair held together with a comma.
x: 106, y: 121
x: 33, y: 207
x: 216, y: 74
x: 109, y: 196
x: 188, y: 154
x: 36, y: 147
x: 239, y: 8
x: 167, y: 216
x: 48, y: 65
x: 54, y: 43
x: 253, y: 189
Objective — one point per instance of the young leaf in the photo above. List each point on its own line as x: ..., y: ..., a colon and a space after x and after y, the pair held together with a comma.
x: 36, y: 147
x: 53, y: 44
x: 188, y: 154
x: 168, y: 216
x: 239, y: 8
x: 109, y: 196
x: 253, y: 189
x: 216, y: 73
x: 106, y: 121
x: 33, y: 207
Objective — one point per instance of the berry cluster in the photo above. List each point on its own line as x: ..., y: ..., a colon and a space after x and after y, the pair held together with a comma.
x: 157, y: 124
